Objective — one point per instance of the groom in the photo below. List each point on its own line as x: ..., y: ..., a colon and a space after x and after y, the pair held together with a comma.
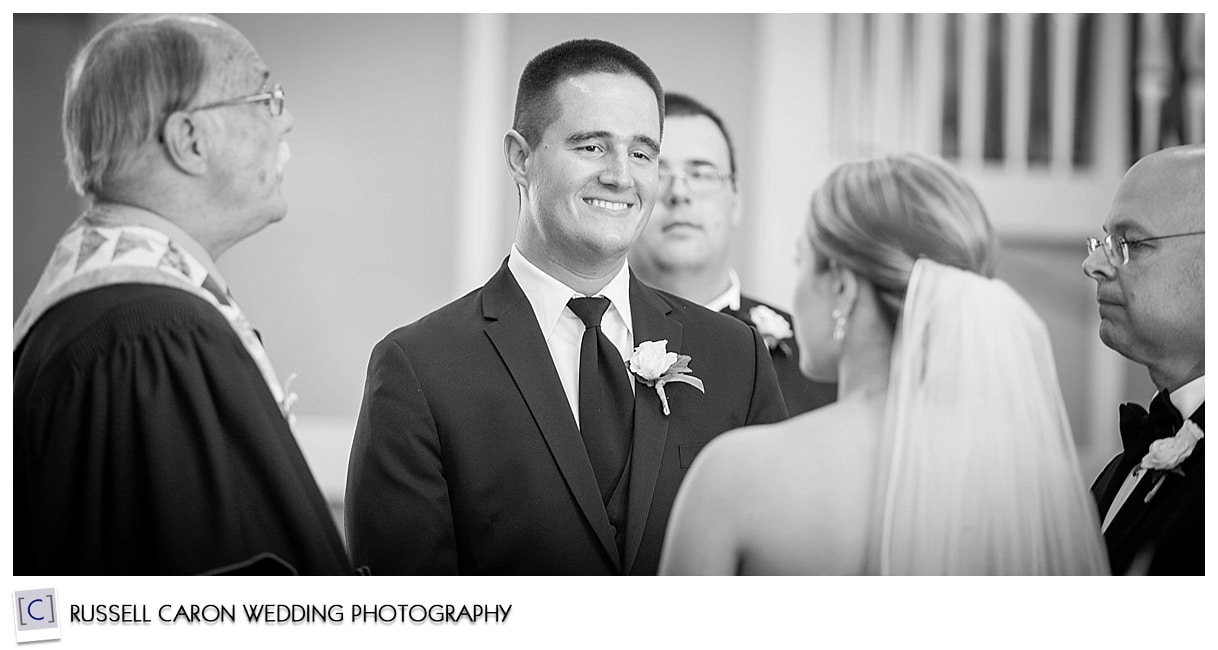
x: 1150, y: 285
x: 503, y: 433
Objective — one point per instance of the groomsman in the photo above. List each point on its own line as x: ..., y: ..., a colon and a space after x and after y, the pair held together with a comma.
x: 684, y: 249
x: 504, y: 432
x: 151, y: 434
x: 1150, y: 285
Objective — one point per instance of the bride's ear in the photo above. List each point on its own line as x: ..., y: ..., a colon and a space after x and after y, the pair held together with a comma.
x: 845, y: 287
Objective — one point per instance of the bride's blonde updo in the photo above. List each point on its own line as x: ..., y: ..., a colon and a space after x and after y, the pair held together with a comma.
x: 877, y: 217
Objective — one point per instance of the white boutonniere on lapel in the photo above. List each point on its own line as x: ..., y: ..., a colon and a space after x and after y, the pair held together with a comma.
x: 1167, y: 454
x: 653, y: 365
x: 773, y: 328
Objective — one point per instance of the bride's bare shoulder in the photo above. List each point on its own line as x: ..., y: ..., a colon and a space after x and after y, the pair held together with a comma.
x: 838, y: 437
x: 760, y: 499
x: 835, y: 428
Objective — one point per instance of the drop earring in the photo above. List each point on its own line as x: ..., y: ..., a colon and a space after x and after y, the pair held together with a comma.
x: 839, y: 324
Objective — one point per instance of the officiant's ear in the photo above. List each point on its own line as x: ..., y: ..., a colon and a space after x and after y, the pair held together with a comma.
x: 516, y: 151
x: 184, y: 143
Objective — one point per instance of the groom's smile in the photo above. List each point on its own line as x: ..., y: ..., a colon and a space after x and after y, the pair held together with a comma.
x: 612, y: 206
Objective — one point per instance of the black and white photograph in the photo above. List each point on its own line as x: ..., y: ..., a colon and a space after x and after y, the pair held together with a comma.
x: 605, y: 296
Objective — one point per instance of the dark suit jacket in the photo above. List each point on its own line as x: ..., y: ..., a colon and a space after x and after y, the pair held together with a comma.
x: 467, y: 458
x: 1167, y: 535
x: 800, y: 393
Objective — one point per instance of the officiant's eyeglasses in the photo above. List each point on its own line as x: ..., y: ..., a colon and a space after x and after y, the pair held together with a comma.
x: 1112, y: 246
x: 273, y: 99
x: 701, y: 179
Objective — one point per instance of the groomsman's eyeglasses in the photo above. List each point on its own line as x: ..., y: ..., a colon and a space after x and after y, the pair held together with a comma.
x: 1111, y: 245
x: 701, y: 179
x: 273, y: 99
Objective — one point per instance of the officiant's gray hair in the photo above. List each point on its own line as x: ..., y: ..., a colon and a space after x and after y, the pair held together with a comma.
x: 877, y: 217
x: 122, y: 86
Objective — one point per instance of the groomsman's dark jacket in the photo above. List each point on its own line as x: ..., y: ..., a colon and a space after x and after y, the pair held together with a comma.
x: 467, y: 458
x: 800, y: 393
x: 1167, y: 535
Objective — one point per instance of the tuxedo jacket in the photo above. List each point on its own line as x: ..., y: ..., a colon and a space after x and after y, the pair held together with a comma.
x: 1167, y: 535
x: 800, y: 393
x: 468, y: 460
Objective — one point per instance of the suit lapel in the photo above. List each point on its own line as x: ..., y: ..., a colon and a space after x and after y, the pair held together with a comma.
x: 651, y: 322
x: 1132, y: 511
x: 1109, y: 483
x: 1125, y: 527
x: 513, y: 331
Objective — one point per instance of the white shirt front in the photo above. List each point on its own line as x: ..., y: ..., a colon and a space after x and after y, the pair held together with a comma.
x: 1187, y: 399
x: 562, y: 329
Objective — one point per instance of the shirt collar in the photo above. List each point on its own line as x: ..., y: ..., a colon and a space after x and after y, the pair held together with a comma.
x: 140, y: 217
x: 549, y: 296
x: 1189, y: 397
x: 729, y: 299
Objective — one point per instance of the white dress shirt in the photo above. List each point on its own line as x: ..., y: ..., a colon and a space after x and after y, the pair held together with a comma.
x: 729, y: 299
x: 1186, y: 399
x: 562, y: 329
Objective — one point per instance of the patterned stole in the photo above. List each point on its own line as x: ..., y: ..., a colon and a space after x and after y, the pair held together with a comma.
x: 105, y: 247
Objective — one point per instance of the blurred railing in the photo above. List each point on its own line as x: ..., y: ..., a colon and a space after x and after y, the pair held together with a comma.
x: 1016, y: 91
x: 1042, y: 113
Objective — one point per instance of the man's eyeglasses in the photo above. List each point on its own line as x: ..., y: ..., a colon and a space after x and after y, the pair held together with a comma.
x: 700, y: 179
x: 1117, y: 249
x: 273, y: 99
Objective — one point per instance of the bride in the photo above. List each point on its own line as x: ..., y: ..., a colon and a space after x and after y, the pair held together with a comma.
x: 948, y: 450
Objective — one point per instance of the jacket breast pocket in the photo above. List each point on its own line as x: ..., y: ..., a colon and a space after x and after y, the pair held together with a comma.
x: 686, y: 454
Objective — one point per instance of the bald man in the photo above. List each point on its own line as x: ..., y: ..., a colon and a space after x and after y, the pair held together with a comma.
x: 151, y: 434
x: 1150, y: 285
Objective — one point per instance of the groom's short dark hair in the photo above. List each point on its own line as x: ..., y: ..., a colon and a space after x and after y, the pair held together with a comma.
x: 535, y: 109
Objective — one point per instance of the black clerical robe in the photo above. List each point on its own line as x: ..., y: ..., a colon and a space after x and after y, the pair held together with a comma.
x: 145, y: 441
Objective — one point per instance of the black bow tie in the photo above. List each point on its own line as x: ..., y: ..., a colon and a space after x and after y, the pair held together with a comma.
x: 1139, y: 428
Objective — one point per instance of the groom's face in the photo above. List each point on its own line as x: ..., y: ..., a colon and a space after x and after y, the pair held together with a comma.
x: 592, y: 178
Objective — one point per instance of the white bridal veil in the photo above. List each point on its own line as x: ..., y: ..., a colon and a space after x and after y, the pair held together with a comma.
x: 978, y: 470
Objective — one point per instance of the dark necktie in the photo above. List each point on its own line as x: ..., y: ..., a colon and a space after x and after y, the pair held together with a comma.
x: 1140, y: 428
x: 606, y: 403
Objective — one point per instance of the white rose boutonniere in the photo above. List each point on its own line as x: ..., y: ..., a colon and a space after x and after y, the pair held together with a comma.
x: 773, y: 328
x: 653, y: 365
x: 1167, y: 454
